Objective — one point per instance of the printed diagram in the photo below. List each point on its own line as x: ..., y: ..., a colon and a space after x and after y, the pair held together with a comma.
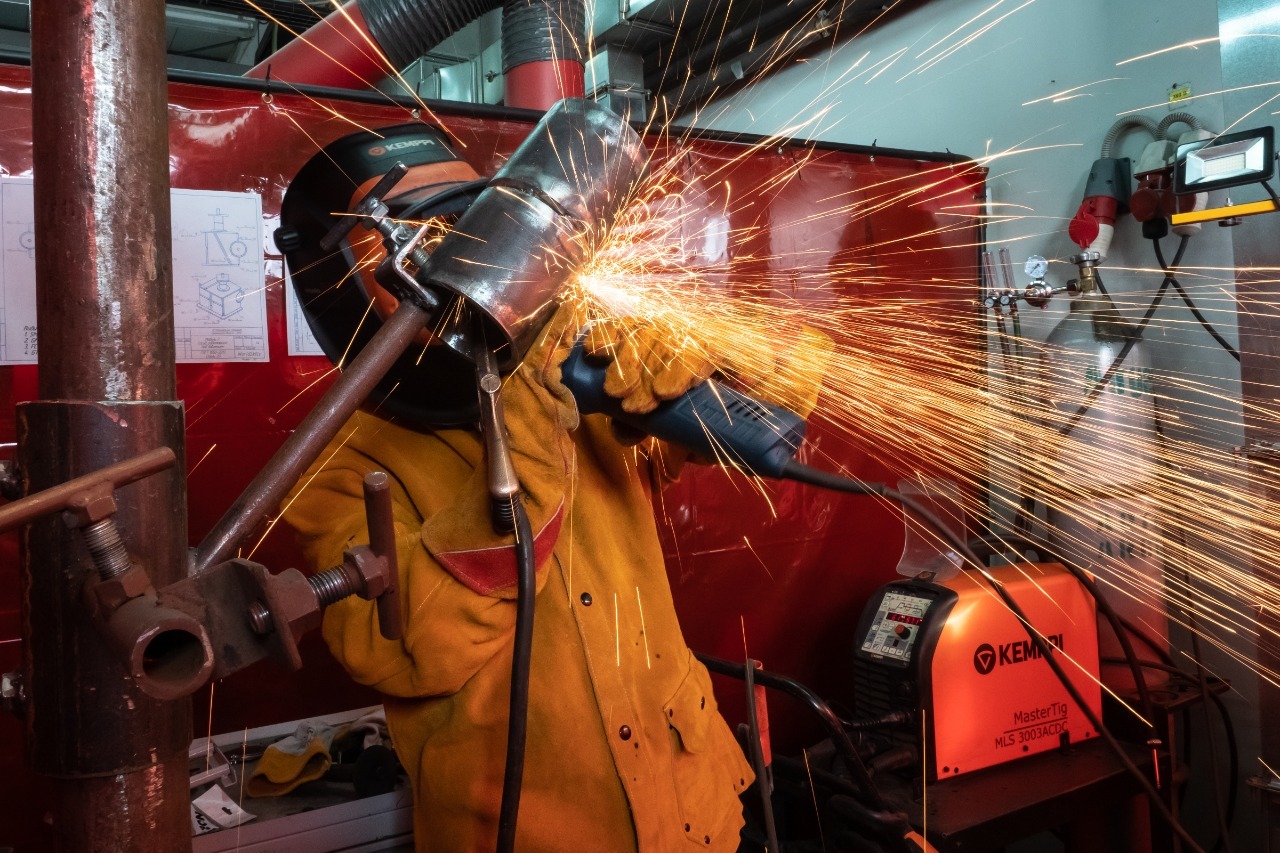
x: 221, y: 297
x: 27, y: 241
x: 301, y: 339
x: 221, y: 313
x: 223, y: 247
x: 17, y: 272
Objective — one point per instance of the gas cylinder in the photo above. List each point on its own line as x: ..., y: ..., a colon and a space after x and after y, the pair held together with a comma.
x: 1101, y: 480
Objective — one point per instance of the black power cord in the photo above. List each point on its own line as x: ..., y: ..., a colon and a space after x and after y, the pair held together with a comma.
x: 1170, y: 271
x: 804, y: 474
x: 1132, y: 336
x: 889, y: 826
x: 517, y: 724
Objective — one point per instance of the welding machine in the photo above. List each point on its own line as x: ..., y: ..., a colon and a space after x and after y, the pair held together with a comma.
x: 952, y: 650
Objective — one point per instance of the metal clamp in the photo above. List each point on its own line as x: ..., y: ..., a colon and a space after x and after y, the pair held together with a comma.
x: 165, y: 651
x: 401, y: 244
x: 291, y: 604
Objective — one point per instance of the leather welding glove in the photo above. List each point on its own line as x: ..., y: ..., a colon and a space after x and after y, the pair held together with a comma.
x: 644, y: 368
x: 301, y: 757
x: 784, y: 369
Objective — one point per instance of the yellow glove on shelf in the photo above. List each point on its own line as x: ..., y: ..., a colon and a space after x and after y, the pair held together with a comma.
x: 301, y: 757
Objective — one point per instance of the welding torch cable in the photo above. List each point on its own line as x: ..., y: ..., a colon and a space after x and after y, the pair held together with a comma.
x: 800, y: 472
x: 1186, y: 297
x: 879, y: 813
x: 830, y: 720
x: 764, y: 783
x: 517, y: 724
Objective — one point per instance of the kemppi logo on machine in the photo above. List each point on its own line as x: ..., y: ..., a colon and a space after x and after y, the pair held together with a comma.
x: 987, y: 657
x: 379, y: 150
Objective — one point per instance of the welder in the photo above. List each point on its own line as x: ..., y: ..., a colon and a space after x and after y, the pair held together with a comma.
x: 626, y: 749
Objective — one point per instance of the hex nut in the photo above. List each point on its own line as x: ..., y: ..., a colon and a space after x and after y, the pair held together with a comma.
x: 111, y: 593
x: 90, y: 506
x: 374, y: 571
x: 294, y: 605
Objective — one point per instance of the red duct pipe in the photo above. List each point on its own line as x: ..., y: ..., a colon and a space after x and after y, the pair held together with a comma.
x: 343, y: 51
x: 337, y: 52
x: 538, y: 85
x: 542, y: 51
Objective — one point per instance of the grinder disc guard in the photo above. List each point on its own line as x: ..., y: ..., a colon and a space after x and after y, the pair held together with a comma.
x: 430, y: 386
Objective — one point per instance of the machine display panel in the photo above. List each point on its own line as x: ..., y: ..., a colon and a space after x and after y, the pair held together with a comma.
x: 896, y: 625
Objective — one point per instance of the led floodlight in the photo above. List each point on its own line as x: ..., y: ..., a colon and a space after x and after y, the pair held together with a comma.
x: 1230, y: 160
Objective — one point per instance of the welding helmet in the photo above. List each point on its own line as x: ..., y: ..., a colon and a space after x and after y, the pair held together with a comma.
x: 430, y: 386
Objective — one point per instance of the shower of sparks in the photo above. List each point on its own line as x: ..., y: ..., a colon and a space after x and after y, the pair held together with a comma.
x: 904, y: 383
x: 1194, y: 44
x: 903, y: 379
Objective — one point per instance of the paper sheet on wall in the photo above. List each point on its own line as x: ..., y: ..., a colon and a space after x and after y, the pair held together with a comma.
x: 301, y: 340
x: 219, y: 294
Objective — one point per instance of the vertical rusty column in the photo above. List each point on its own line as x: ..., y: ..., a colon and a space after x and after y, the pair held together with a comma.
x: 117, y: 758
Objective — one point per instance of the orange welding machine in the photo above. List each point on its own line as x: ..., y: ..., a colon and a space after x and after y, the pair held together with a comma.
x: 953, y: 650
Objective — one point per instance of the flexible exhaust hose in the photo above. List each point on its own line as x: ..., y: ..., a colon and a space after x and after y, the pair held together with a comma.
x: 1177, y: 118
x: 407, y: 29
x: 541, y: 31
x: 1124, y: 124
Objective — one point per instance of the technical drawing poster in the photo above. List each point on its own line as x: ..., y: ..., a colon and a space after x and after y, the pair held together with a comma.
x: 219, y: 294
x: 301, y: 339
x: 18, y: 269
x: 219, y: 285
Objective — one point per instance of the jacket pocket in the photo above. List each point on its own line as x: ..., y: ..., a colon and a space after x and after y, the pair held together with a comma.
x: 707, y: 766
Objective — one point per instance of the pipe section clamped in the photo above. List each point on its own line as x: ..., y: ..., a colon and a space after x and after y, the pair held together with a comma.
x: 517, y: 245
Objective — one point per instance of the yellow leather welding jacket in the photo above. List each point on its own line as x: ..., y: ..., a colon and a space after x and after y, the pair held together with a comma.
x: 626, y: 748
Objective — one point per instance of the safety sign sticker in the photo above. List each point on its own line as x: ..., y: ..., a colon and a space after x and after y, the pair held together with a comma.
x: 219, y: 285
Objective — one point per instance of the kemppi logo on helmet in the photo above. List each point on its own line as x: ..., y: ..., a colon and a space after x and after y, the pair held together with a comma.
x: 984, y: 659
x: 379, y: 150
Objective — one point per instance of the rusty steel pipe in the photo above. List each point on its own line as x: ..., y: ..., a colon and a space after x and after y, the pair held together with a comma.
x: 104, y: 303
x: 61, y: 496
x: 322, y: 423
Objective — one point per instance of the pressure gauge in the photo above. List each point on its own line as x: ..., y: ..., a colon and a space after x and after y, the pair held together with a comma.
x: 1036, y: 267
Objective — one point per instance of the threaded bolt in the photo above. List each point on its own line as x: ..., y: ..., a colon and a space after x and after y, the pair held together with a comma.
x: 110, y: 557
x: 332, y: 586
x: 260, y: 619
x: 329, y: 586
